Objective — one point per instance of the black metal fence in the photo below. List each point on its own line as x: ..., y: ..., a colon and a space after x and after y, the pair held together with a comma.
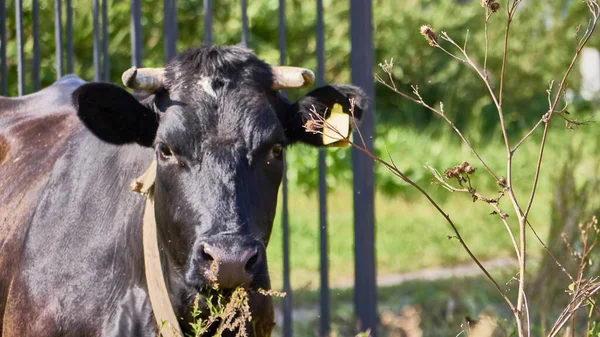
x: 362, y: 75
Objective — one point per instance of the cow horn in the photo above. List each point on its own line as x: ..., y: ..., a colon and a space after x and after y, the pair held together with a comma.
x: 291, y: 78
x: 146, y: 79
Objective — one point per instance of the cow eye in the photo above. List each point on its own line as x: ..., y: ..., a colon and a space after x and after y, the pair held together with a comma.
x: 164, y: 152
x: 277, y: 150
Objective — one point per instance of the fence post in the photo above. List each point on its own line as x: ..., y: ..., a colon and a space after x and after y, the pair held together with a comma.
x: 244, y: 23
x: 69, y: 37
x: 105, y: 38
x: 288, y: 323
x: 35, y: 9
x: 95, y: 19
x: 207, y: 22
x: 136, y: 32
x: 324, y: 324
x: 170, y: 29
x: 361, y: 60
x: 4, y: 77
x: 21, y: 56
x: 58, y: 37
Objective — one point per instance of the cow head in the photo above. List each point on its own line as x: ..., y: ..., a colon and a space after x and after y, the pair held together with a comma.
x: 219, y: 127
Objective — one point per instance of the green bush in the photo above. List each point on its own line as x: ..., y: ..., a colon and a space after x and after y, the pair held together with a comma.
x: 396, y: 35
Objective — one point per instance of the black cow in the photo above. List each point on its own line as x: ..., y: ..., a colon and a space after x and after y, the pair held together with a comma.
x: 71, y: 257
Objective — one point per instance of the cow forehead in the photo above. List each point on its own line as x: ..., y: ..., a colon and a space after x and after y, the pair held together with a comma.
x: 204, y: 66
x: 224, y: 117
x: 220, y: 91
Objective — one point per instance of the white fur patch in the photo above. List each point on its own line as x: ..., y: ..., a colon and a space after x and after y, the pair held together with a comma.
x: 206, y: 85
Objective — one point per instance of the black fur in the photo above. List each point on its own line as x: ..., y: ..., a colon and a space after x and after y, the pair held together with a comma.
x: 218, y: 176
x: 114, y: 115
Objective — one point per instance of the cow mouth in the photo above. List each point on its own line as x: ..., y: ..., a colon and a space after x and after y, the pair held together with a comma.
x: 223, y: 311
x: 234, y: 312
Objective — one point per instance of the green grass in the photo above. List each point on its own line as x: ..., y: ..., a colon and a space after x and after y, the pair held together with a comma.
x: 443, y: 307
x: 443, y: 304
x: 410, y: 233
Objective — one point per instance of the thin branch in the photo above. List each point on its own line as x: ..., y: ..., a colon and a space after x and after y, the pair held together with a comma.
x: 527, y: 136
x: 510, y: 233
x: 477, y: 196
x: 508, y: 186
x: 510, y: 15
x: 317, y: 126
x: 487, y: 83
x: 527, y: 314
x: 595, y: 10
x: 441, y: 114
x: 504, y: 54
x: 485, y: 58
x: 550, y: 253
x: 573, y: 306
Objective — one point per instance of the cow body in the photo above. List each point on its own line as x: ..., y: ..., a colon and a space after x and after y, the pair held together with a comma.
x: 71, y: 256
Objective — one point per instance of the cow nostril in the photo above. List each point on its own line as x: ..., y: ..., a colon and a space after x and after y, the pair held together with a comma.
x: 252, y: 261
x: 206, y: 255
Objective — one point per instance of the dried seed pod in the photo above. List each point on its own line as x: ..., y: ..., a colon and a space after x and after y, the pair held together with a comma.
x: 429, y: 34
x: 494, y: 7
x: 451, y: 172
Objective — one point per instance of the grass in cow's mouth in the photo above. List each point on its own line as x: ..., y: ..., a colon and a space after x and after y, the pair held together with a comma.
x: 228, y: 310
x: 226, y: 313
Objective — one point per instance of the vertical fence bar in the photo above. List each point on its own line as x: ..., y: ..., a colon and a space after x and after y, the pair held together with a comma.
x: 245, y: 23
x: 58, y: 37
x: 95, y: 15
x: 69, y: 37
x: 136, y: 33
x: 4, y: 77
x: 167, y: 28
x: 288, y: 329
x: 361, y: 61
x: 35, y: 10
x: 174, y: 32
x: 21, y: 57
x: 207, y: 22
x: 105, y: 38
x: 170, y: 29
x: 324, y: 325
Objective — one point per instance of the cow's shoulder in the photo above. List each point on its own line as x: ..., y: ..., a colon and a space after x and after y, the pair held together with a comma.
x: 42, y: 102
x: 33, y: 132
x: 83, y: 222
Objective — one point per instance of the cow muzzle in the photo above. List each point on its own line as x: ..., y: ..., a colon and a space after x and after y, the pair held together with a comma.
x: 231, y: 267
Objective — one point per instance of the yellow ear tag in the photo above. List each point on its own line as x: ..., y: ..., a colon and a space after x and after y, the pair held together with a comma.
x: 337, y: 123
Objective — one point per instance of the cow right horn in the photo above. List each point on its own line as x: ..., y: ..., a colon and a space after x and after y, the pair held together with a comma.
x: 285, y: 77
x: 146, y: 79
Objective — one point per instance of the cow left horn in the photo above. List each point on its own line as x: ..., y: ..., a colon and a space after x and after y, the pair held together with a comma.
x: 146, y: 79
x: 291, y: 78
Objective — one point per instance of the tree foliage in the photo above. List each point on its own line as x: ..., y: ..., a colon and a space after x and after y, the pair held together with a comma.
x: 396, y: 35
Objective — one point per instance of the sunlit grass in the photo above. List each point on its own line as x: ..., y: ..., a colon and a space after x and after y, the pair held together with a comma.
x: 443, y: 306
x: 410, y: 234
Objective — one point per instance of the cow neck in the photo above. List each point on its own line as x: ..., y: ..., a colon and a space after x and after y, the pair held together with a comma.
x: 157, y: 288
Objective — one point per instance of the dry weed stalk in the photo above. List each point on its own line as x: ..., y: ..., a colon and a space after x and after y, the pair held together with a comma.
x: 225, y: 313
x: 405, y: 324
x: 582, y: 292
x: 230, y: 313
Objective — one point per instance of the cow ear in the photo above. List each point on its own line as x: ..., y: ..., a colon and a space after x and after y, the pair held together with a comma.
x: 332, y: 103
x: 114, y: 115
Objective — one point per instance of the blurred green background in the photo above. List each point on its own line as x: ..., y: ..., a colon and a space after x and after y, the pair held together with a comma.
x: 410, y: 234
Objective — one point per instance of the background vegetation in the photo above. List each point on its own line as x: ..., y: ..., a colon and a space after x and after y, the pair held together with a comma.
x: 548, y: 24
x: 410, y: 236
